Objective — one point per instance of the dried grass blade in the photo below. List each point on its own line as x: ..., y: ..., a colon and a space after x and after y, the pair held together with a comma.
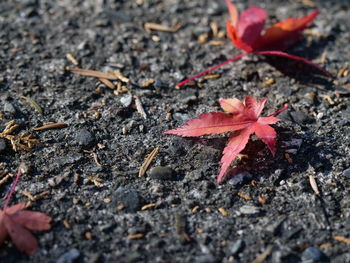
x: 92, y: 73
x: 148, y: 161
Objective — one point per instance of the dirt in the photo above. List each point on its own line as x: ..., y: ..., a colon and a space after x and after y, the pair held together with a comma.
x: 266, y: 206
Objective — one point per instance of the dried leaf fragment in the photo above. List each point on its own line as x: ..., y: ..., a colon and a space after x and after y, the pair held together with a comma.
x: 158, y: 27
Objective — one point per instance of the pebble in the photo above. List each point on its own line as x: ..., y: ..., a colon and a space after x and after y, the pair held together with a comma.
x: 346, y: 173
x: 240, y: 178
x: 249, y: 210
x: 301, y: 117
x: 313, y: 254
x: 236, y: 247
x: 128, y: 197
x: 162, y: 173
x: 9, y: 108
x: 126, y: 100
x: 2, y: 144
x: 84, y: 137
x: 188, y: 95
x: 69, y: 257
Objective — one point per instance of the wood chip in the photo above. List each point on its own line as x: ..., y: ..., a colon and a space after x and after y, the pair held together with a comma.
x: 212, y: 76
x: 195, y: 209
x: 32, y: 103
x: 214, y: 28
x: 95, y: 157
x: 262, y: 199
x: 108, y: 83
x: 343, y: 239
x: 288, y: 158
x: 135, y: 236
x: 88, y: 235
x: 244, y: 196
x: 6, y: 178
x: 148, y: 161
x: 120, y: 207
x: 70, y: 57
x: 324, y: 57
x: 308, y: 3
x: 158, y: 27
x: 107, y: 200
x: 269, y: 82
x: 261, y: 258
x: 92, y: 73
x: 326, y: 245
x: 139, y: 107
x: 147, y: 83
x: 343, y: 72
x: 216, y: 42
x: 314, y: 184
x: 329, y: 99
x: 51, y: 125
x: 66, y: 223
x: 148, y: 206
x: 96, y: 181
x: 203, y: 38
x: 223, y: 211
x: 29, y: 195
x: 120, y: 76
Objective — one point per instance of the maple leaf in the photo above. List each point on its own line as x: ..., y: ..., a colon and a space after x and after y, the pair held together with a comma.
x: 243, y: 118
x: 245, y: 31
x: 16, y: 223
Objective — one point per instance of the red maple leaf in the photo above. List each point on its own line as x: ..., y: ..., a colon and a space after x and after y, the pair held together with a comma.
x: 243, y: 118
x: 16, y: 223
x: 245, y: 32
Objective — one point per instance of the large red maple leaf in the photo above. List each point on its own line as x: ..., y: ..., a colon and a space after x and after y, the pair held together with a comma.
x: 243, y: 119
x: 245, y: 31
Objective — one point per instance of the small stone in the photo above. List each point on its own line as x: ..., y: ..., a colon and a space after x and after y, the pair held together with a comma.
x: 69, y: 257
x: 9, y: 108
x: 188, y: 95
x: 84, y: 137
x: 239, y: 178
x: 301, y: 117
x: 162, y: 173
x: 313, y: 254
x: 236, y: 247
x: 24, y: 167
x: 127, y: 197
x: 126, y: 100
x: 2, y: 145
x: 249, y: 210
x: 346, y: 173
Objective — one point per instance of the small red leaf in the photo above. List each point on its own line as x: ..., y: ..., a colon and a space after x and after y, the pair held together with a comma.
x: 244, y: 120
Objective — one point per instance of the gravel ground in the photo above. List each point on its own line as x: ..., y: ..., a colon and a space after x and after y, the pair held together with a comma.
x: 267, y: 207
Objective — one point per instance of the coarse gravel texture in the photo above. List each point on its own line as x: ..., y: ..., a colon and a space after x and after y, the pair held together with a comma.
x: 269, y: 202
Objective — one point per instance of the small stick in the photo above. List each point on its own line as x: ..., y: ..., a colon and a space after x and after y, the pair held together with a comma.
x: 108, y: 83
x: 148, y: 161
x: 261, y: 258
x: 148, y: 206
x: 51, y: 125
x: 157, y: 27
x: 72, y: 59
x: 32, y: 103
x: 314, y: 184
x: 139, y: 107
x: 92, y: 73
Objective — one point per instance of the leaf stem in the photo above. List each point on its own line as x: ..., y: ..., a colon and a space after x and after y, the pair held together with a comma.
x: 12, y: 188
x: 279, y: 111
x: 211, y: 69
